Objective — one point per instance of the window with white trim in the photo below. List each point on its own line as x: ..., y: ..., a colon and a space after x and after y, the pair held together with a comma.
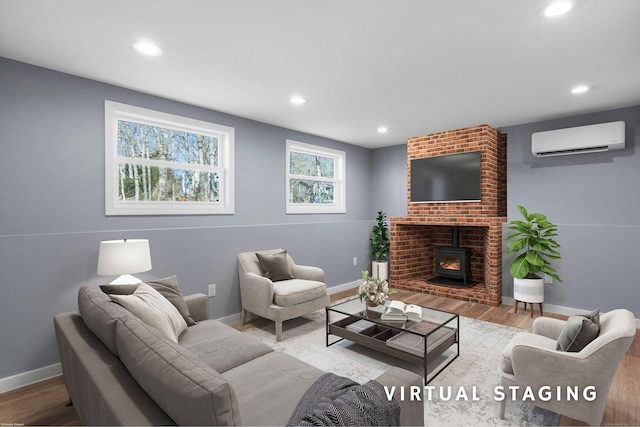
x: 316, y: 179
x: 162, y: 164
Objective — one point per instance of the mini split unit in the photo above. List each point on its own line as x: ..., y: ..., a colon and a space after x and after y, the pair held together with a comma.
x: 578, y: 140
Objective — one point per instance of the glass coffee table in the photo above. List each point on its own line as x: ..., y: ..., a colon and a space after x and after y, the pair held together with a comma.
x: 431, y: 342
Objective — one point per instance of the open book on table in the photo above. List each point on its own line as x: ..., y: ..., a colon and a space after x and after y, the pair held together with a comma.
x: 399, y: 309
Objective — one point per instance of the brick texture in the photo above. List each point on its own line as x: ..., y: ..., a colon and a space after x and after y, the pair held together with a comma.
x: 479, y: 223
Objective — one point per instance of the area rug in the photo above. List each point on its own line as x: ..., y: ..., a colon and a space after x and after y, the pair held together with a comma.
x: 475, y: 371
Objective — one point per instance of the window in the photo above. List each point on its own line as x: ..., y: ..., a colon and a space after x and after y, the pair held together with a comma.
x: 315, y: 179
x: 157, y: 163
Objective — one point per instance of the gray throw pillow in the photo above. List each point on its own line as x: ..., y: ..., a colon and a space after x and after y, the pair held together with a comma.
x: 119, y: 289
x: 579, y: 331
x: 168, y: 288
x: 275, y: 266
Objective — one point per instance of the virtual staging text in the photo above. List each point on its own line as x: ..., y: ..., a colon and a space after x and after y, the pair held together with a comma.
x: 500, y: 393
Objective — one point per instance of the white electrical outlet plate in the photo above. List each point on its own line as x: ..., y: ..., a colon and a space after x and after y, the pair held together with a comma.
x: 212, y: 290
x: 355, y: 260
x: 548, y: 279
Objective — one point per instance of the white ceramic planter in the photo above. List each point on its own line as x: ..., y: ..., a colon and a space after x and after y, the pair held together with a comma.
x: 380, y: 270
x: 528, y: 290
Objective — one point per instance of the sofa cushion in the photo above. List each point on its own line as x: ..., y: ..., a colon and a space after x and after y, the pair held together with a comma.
x: 579, y: 331
x: 169, y: 289
x: 154, y: 309
x: 220, y: 346
x: 297, y: 291
x: 188, y: 390
x: 523, y: 338
x: 273, y: 384
x: 99, y: 313
x: 275, y: 266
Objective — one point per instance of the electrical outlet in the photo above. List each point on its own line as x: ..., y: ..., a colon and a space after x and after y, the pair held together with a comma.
x: 212, y: 290
x: 548, y: 279
x: 355, y: 260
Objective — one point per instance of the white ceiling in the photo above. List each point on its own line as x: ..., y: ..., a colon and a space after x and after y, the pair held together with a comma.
x: 415, y: 66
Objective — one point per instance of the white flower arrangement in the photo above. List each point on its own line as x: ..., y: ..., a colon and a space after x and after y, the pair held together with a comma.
x: 372, y: 289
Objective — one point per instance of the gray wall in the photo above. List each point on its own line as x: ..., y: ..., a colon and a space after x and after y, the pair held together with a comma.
x: 389, y: 180
x: 595, y: 200
x: 52, y: 209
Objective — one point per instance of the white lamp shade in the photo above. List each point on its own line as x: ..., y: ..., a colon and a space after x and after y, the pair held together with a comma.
x: 118, y: 257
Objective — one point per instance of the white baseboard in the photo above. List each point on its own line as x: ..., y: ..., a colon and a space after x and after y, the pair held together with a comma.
x: 232, y: 318
x: 344, y: 287
x: 557, y: 309
x: 30, y: 377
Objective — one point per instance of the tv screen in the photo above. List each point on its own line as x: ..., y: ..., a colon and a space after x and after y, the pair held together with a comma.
x: 447, y: 178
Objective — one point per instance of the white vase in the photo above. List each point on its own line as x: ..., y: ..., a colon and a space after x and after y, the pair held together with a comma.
x: 380, y: 270
x: 528, y: 290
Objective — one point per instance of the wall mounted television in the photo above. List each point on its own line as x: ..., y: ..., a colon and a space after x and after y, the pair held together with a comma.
x: 446, y: 178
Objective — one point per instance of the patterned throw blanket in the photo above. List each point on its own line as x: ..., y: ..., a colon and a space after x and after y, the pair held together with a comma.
x: 338, y: 401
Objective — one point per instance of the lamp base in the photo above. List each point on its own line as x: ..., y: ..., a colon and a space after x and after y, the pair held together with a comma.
x: 126, y: 279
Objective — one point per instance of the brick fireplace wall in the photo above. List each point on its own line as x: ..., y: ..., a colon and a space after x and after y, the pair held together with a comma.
x: 479, y: 223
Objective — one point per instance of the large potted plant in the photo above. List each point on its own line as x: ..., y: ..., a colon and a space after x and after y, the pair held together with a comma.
x: 380, y: 244
x: 533, y: 238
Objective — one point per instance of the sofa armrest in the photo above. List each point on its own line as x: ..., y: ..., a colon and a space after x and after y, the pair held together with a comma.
x: 308, y: 272
x: 548, y: 327
x: 101, y: 388
x: 198, y: 305
x: 411, y: 411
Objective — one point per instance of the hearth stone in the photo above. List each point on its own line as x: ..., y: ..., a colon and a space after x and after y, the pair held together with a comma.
x: 451, y: 282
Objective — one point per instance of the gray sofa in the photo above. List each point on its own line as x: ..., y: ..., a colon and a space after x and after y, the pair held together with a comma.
x: 120, y: 371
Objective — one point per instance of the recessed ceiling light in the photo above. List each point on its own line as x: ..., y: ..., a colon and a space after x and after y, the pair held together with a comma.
x: 147, y: 48
x: 557, y: 8
x: 579, y: 89
x: 297, y: 100
x: 383, y: 129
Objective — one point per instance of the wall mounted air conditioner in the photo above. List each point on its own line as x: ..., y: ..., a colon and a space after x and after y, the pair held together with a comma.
x: 578, y: 140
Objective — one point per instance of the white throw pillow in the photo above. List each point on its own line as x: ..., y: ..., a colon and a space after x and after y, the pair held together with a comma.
x: 153, y: 309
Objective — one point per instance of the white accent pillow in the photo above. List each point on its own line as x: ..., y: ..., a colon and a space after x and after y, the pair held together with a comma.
x: 153, y: 309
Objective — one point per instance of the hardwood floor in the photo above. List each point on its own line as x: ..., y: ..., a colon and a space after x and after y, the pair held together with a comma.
x: 40, y: 404
x: 44, y: 403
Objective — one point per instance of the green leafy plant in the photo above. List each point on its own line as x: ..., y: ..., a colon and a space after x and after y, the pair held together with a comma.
x: 534, y: 236
x: 380, y: 242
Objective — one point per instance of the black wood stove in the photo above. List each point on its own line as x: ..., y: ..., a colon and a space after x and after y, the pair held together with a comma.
x: 453, y: 261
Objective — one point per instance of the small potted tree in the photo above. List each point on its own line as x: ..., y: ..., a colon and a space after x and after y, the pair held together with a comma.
x: 534, y: 238
x: 380, y: 244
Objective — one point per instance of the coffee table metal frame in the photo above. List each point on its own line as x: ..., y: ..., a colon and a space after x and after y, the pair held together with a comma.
x: 441, y: 326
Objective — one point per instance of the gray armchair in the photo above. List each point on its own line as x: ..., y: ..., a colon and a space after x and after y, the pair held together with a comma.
x: 531, y: 360
x: 279, y: 300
